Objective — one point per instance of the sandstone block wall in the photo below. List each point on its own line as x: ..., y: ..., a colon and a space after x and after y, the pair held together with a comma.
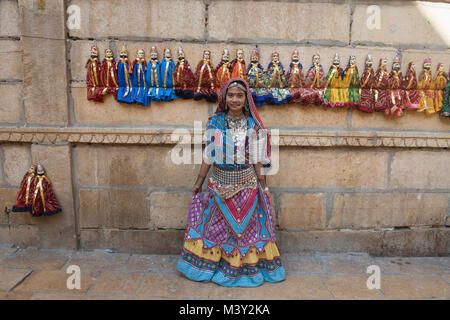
x: 347, y: 181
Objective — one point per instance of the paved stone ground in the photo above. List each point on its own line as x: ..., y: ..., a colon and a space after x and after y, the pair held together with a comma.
x: 35, y: 274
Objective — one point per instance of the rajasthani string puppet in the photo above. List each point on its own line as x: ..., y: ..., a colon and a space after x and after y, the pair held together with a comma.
x: 381, y: 86
x: 238, y: 66
x: 314, y: 83
x: 294, y: 78
x: 167, y: 76
x: 205, y: 79
x: 93, y: 81
x: 44, y: 201
x: 445, y: 111
x: 396, y: 93
x: 184, y: 77
x: 350, y: 85
x: 439, y: 84
x: 333, y: 96
x: 425, y: 87
x: 124, y: 77
x: 367, y: 99
x: 108, y: 74
x: 409, y: 85
x: 154, y: 76
x: 138, y: 69
x: 223, y: 70
x: 256, y: 79
x: 24, y: 199
x: 278, y: 93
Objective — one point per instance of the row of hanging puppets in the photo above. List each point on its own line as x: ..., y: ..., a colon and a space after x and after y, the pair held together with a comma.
x: 140, y: 81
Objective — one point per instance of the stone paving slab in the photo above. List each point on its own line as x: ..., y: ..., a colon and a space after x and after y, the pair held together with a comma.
x: 53, y: 281
x: 40, y: 274
x: 6, y: 252
x: 10, y: 277
x: 99, y: 261
x: 37, y: 259
x: 116, y: 283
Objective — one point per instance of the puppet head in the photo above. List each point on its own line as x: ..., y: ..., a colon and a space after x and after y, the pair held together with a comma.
x: 153, y: 53
x: 255, y: 56
x: 295, y: 56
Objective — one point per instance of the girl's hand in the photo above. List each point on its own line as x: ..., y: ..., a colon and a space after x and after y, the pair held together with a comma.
x: 196, y: 190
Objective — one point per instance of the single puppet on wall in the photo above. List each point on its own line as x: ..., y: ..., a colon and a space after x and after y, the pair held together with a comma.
x: 367, y: 94
x: 93, y: 81
x: 108, y: 75
x: 184, y: 77
x: 425, y: 87
x: 256, y: 78
x: 439, y: 84
x: 333, y: 96
x: 205, y: 79
x: 36, y: 194
x: 238, y: 69
x: 223, y: 70
x: 154, y: 76
x: 350, y: 84
x: 294, y: 78
x: 409, y: 85
x: 396, y: 93
x: 138, y: 70
x: 381, y: 87
x: 25, y: 197
x: 124, y: 77
x: 276, y: 84
x: 167, y: 76
x: 445, y: 111
x: 313, y: 89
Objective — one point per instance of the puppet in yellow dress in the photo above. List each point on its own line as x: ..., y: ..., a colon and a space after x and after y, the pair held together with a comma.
x: 439, y: 84
x: 333, y: 96
x: 425, y: 87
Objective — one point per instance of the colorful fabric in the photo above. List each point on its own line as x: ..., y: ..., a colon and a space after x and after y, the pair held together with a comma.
x: 230, y: 236
x: 256, y: 78
x: 140, y: 85
x: 125, y: 85
x: 167, y: 70
x: 445, y: 112
x: 231, y: 242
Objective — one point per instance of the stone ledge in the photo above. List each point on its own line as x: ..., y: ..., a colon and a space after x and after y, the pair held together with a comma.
x: 163, y: 136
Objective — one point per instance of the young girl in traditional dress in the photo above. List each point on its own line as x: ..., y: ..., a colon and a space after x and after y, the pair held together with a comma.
x: 230, y: 236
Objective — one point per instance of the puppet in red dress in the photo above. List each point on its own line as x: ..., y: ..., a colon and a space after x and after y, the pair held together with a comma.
x: 314, y: 83
x: 381, y: 86
x: 409, y: 85
x: 93, y: 82
x: 205, y: 79
x: 24, y: 199
x: 294, y: 78
x: 223, y: 70
x: 238, y: 69
x: 44, y: 201
x: 184, y: 77
x: 396, y: 93
x: 367, y: 98
x: 108, y: 74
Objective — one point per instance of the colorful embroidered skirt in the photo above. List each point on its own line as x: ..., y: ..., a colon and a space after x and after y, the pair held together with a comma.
x: 231, y: 241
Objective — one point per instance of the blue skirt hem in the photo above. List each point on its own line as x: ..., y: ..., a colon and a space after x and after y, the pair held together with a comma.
x: 218, y: 277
